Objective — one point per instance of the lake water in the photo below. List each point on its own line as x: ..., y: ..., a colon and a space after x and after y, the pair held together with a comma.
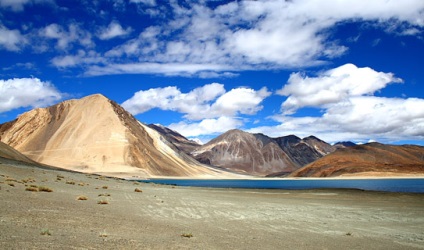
x: 409, y: 185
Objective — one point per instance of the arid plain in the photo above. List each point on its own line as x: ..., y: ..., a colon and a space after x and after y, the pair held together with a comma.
x: 168, y: 217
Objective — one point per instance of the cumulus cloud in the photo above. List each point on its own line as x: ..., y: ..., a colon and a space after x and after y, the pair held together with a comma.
x: 81, y: 58
x: 245, y: 35
x: 11, y: 40
x: 332, y: 86
x: 26, y: 92
x: 349, y: 110
x: 66, y: 37
x: 206, y: 126
x: 18, y: 5
x: 113, y: 30
x: 206, y: 110
x: 208, y: 101
x: 146, y: 2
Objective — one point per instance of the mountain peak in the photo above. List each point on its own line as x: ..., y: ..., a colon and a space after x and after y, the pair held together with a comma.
x: 95, y: 134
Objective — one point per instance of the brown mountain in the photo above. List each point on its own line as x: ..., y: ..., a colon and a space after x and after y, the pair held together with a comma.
x: 258, y: 154
x: 95, y: 134
x: 179, y: 141
x: 368, y: 159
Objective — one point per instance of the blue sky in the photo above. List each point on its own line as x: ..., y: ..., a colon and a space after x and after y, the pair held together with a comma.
x: 339, y: 70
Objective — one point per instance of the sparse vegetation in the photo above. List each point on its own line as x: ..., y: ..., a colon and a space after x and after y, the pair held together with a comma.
x: 45, y: 189
x: 348, y: 234
x: 104, y: 194
x: 103, y: 234
x: 11, y: 184
x: 138, y: 190
x: 103, y: 202
x: 187, y: 235
x: 105, y: 187
x: 45, y: 232
x: 70, y: 182
x: 81, y: 184
x: 82, y: 198
x: 31, y: 189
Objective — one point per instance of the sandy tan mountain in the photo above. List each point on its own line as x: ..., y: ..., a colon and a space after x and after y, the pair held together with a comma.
x: 373, y: 159
x: 94, y: 134
x: 7, y: 152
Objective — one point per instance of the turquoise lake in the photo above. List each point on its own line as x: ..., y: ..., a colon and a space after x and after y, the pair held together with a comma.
x: 409, y: 185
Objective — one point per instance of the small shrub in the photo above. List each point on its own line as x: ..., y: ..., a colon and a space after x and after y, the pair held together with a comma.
x: 105, y: 187
x: 348, y: 234
x: 81, y: 184
x: 82, y: 198
x: 187, y: 235
x: 11, y: 184
x: 45, y: 189
x: 103, y: 202
x: 104, y: 194
x: 70, y: 182
x: 45, y: 232
x: 138, y: 190
x: 32, y: 189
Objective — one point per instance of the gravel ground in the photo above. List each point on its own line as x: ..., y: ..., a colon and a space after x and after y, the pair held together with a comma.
x: 168, y: 217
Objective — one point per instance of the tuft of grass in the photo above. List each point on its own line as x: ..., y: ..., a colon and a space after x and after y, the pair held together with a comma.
x: 103, y: 234
x: 82, y: 198
x: 348, y: 234
x: 187, y: 235
x: 70, y: 182
x: 32, y: 189
x: 45, y: 189
x: 105, y: 187
x: 105, y: 194
x: 45, y: 232
x: 103, y: 202
x: 138, y: 190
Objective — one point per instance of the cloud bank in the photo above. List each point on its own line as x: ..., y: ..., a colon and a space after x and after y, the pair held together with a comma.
x: 349, y: 108
x: 27, y: 92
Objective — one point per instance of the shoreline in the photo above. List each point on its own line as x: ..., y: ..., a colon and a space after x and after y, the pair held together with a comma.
x: 157, y: 216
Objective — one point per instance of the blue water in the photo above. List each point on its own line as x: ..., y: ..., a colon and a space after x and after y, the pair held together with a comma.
x: 413, y: 185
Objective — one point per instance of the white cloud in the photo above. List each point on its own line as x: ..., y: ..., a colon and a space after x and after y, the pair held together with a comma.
x: 349, y: 110
x: 206, y: 126
x: 67, y: 37
x: 168, y: 69
x: 113, y: 30
x: 332, y: 86
x: 11, y: 40
x: 208, y: 101
x: 146, y: 2
x: 80, y: 59
x: 18, y: 5
x: 254, y: 35
x: 26, y: 92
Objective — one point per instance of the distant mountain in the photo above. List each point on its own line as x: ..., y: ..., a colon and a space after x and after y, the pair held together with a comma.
x: 344, y: 144
x: 258, y: 154
x: 95, y: 134
x: 373, y: 159
x: 179, y: 141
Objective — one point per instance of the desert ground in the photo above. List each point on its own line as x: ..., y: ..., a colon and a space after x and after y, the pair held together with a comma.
x: 169, y: 217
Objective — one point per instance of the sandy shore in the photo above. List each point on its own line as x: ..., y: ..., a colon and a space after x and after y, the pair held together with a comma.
x: 157, y: 217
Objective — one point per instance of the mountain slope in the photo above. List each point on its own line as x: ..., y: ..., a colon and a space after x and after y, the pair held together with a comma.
x: 94, y: 134
x: 243, y: 152
x: 258, y: 154
x: 369, y: 159
x: 179, y: 141
x: 10, y: 153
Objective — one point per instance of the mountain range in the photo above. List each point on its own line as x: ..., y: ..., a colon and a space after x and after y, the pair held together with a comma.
x: 95, y: 134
